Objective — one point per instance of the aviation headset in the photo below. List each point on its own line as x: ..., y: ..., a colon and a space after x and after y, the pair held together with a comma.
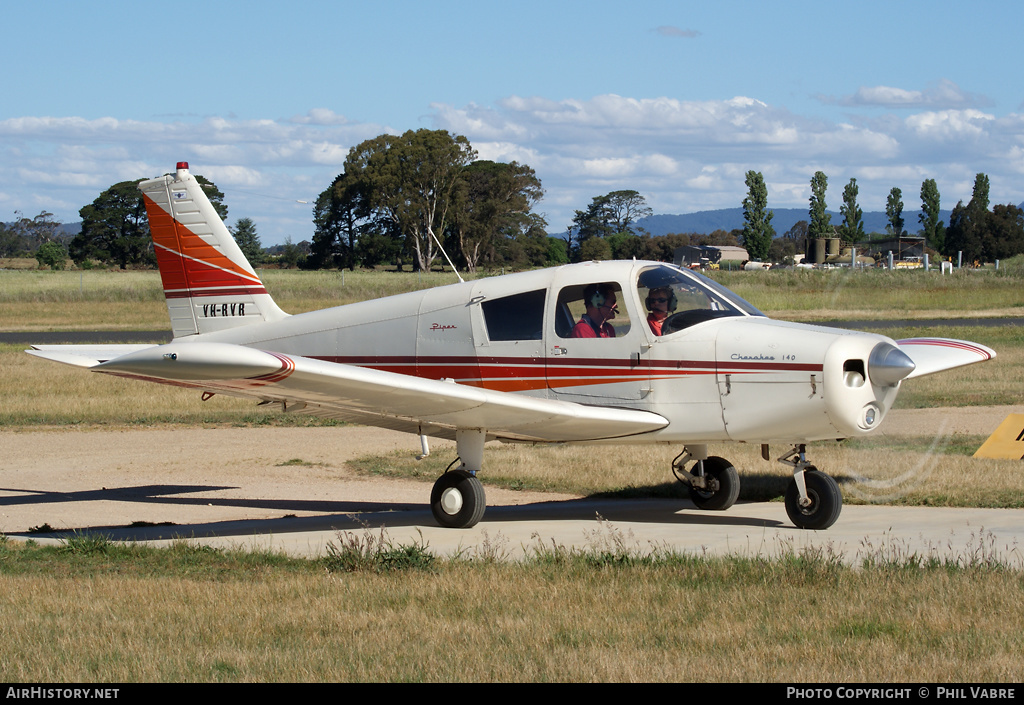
x: 672, y: 300
x: 596, y: 294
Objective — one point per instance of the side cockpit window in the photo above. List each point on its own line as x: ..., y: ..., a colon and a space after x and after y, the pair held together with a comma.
x: 676, y: 299
x: 516, y: 317
x: 594, y: 310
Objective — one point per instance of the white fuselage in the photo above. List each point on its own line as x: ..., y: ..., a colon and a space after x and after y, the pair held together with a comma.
x: 736, y: 378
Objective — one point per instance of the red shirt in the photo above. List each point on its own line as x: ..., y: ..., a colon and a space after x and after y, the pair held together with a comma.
x: 655, y: 319
x: 584, y: 329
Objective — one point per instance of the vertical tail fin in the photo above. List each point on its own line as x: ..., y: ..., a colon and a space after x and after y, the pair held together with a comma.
x: 208, y: 282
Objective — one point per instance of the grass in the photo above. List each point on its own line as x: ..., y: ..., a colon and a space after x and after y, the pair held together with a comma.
x: 32, y: 300
x: 878, y: 294
x: 112, y: 300
x: 583, y: 615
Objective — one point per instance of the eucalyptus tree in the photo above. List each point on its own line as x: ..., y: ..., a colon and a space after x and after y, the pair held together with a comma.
x: 613, y: 213
x: 412, y: 179
x: 342, y: 216
x: 493, y: 204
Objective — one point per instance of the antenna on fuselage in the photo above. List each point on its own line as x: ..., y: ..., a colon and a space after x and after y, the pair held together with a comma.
x: 441, y: 247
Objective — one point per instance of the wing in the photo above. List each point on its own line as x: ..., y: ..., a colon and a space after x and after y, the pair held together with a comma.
x: 931, y: 355
x: 374, y: 397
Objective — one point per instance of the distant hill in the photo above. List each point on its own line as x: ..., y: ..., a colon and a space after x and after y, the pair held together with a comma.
x: 705, y: 222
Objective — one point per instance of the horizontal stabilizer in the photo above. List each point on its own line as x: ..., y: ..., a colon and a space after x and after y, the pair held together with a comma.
x: 84, y: 355
x: 931, y: 355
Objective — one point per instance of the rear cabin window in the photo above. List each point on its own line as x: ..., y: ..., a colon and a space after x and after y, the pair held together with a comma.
x: 516, y: 317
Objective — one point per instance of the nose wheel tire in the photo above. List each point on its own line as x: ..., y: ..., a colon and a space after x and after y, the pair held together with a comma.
x: 826, y: 501
x: 720, y: 472
x: 457, y: 500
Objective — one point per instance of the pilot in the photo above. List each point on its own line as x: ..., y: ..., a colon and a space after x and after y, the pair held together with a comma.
x: 660, y: 302
x: 601, y: 305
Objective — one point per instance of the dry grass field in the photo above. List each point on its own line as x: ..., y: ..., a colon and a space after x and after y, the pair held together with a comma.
x: 93, y: 611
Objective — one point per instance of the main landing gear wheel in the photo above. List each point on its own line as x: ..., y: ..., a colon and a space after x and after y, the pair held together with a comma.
x: 719, y: 472
x: 826, y: 501
x: 457, y: 500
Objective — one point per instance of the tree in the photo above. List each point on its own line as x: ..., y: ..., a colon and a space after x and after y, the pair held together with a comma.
x: 492, y: 205
x: 595, y: 248
x: 932, y: 228
x: 852, y: 229
x: 412, y: 180
x: 51, y: 254
x: 1005, y: 232
x: 34, y: 232
x: 758, y: 232
x: 614, y: 212
x: 797, y: 233
x: 624, y: 209
x: 248, y: 241
x: 115, y: 227
x: 11, y: 243
x: 290, y: 254
x: 342, y: 214
x: 782, y: 250
x: 968, y: 225
x: 894, y: 213
x: 557, y: 252
x: 820, y: 220
x: 979, y: 196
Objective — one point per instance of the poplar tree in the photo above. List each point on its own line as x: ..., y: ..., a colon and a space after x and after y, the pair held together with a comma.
x: 820, y: 220
x: 758, y: 232
x: 852, y: 229
x: 894, y: 212
x: 931, y: 227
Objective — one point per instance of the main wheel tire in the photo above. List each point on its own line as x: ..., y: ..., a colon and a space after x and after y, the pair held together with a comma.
x: 728, y: 490
x: 826, y: 501
x: 457, y: 500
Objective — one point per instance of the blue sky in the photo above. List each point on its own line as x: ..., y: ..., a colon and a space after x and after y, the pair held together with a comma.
x: 676, y: 100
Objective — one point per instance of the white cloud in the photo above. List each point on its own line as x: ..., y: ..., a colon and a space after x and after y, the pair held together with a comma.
x: 683, y: 155
x: 942, y: 94
x: 948, y: 125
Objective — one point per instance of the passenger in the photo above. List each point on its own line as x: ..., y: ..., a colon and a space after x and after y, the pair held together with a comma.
x: 601, y: 305
x: 660, y: 302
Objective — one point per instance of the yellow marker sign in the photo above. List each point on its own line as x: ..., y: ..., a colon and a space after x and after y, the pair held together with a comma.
x: 1007, y: 441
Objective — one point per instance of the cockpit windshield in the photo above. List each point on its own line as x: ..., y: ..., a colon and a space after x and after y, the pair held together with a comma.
x: 677, y: 299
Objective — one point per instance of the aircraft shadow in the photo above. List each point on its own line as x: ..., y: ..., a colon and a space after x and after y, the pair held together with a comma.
x: 346, y: 515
